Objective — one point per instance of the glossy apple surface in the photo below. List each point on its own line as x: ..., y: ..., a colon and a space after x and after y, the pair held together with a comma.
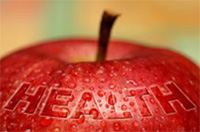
x: 54, y: 86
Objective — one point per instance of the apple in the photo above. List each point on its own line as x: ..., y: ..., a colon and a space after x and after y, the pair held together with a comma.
x: 58, y: 86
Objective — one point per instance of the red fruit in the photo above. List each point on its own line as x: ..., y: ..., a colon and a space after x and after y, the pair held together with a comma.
x: 45, y: 86
x: 160, y: 72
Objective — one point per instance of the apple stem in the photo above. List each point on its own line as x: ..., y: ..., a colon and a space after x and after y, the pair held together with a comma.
x: 107, y: 22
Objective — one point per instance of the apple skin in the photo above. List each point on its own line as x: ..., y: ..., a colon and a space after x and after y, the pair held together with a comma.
x: 57, y: 64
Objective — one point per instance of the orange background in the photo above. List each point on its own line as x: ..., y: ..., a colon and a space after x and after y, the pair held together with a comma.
x: 167, y: 23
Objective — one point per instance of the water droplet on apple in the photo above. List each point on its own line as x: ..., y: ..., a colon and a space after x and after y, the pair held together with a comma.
x: 112, y: 100
x: 99, y: 130
x: 177, y: 68
x: 63, y: 74
x: 157, y: 110
x: 56, y: 129
x: 71, y: 85
x: 103, y: 123
x: 21, y: 124
x: 91, y: 88
x: 191, y: 82
x: 59, y: 72
x: 126, y: 128
x: 9, y: 126
x: 173, y: 78
x: 48, y: 72
x: 100, y: 86
x: 56, y: 84
x: 135, y: 123
x: 143, y: 79
x: 156, y: 118
x: 194, y: 129
x: 116, y: 126
x: 37, y: 70
x: 127, y: 62
x: 27, y: 130
x: 73, y: 128
x: 111, y: 85
x: 156, y: 78
x: 100, y: 70
x: 86, y: 80
x: 132, y: 92
x: 145, y: 120
x: 1, y: 113
x: 91, y: 127
x: 64, y: 111
x: 74, y: 104
x: 81, y: 119
x: 32, y: 78
x: 44, y: 83
x: 162, y: 117
x: 94, y: 113
x: 107, y: 106
x: 99, y: 101
x: 33, y: 120
x: 87, y: 96
x: 79, y: 69
x: 127, y: 114
x: 10, y: 84
x: 101, y: 93
x: 111, y: 75
x: 75, y: 73
x: 131, y: 104
x: 124, y: 107
x: 152, y: 101
x: 13, y: 115
x: 5, y: 117
x: 125, y: 99
x: 46, y: 121
x: 120, y: 91
x: 20, y: 110
x: 131, y: 82
x: 102, y: 80
x: 123, y: 73
x: 143, y: 129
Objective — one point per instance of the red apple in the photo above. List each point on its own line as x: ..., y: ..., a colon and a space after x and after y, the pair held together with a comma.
x: 54, y: 87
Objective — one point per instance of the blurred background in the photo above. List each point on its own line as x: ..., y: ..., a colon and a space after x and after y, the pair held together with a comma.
x: 167, y: 23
